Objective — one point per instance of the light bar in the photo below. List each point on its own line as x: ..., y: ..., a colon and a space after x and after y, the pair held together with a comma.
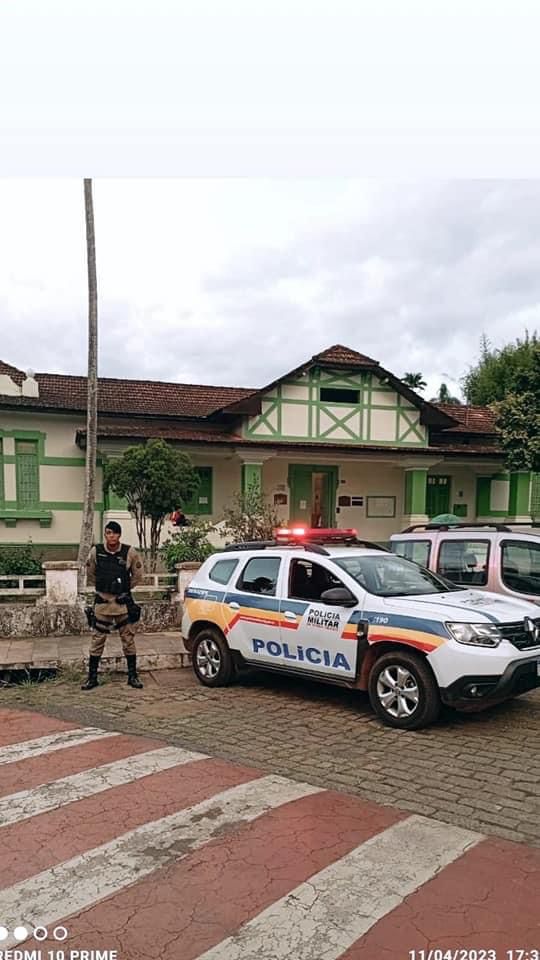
x: 314, y: 534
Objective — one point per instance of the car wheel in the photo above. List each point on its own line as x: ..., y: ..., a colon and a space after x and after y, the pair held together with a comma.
x: 211, y: 659
x: 403, y: 691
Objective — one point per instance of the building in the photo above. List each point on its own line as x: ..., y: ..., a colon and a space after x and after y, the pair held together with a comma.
x: 339, y: 441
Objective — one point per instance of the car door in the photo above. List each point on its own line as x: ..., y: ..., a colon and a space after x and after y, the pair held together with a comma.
x: 252, y: 610
x: 317, y: 638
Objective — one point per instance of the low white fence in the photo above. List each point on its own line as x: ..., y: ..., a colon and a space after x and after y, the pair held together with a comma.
x: 59, y: 583
x: 154, y: 582
x: 29, y: 585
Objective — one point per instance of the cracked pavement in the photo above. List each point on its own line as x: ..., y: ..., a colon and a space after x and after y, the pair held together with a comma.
x: 478, y: 771
x: 158, y: 851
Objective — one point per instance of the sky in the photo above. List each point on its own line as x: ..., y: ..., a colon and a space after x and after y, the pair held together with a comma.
x: 269, y: 179
x: 236, y: 281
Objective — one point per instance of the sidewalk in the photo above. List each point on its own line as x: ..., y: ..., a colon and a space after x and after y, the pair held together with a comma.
x: 155, y: 651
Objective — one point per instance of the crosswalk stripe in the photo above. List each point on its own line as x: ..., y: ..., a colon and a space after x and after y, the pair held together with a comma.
x: 57, y: 793
x: 77, y: 884
x: 53, y: 741
x: 231, y: 880
x: 324, y: 916
x: 31, y: 846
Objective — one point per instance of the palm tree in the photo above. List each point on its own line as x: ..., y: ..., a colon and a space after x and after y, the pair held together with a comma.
x: 414, y: 380
x: 87, y: 524
x: 444, y: 396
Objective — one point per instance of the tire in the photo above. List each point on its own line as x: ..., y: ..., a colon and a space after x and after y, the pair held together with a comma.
x: 418, y: 705
x: 211, y: 659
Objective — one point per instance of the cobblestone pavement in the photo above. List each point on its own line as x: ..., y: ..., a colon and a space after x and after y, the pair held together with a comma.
x: 480, y: 771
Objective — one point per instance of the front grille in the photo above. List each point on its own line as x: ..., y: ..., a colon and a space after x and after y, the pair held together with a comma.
x: 520, y: 637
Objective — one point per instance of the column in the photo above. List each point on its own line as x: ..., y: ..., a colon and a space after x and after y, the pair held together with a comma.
x: 519, y: 497
x: 61, y: 581
x: 414, y: 510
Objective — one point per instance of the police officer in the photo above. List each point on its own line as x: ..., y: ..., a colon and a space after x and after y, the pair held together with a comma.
x: 114, y: 568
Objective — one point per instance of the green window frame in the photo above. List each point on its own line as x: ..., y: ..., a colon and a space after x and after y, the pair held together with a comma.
x: 201, y: 503
x: 2, y: 485
x: 27, y: 473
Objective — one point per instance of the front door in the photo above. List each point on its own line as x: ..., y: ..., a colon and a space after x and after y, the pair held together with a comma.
x: 438, y: 495
x: 313, y: 495
x: 317, y: 637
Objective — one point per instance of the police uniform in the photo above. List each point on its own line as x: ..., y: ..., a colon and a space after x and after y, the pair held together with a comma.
x: 114, y: 575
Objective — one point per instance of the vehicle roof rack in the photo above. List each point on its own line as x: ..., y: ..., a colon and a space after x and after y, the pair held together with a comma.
x: 503, y: 527
x: 264, y: 544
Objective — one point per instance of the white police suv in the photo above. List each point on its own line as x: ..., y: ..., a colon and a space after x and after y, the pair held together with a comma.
x: 325, y: 605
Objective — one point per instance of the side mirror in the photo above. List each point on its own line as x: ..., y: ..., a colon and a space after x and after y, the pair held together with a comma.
x: 339, y: 597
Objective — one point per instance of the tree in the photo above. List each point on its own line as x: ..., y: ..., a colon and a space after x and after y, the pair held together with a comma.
x: 154, y: 479
x: 251, y: 516
x: 513, y: 369
x: 518, y: 425
x: 444, y: 396
x: 414, y: 380
x: 87, y: 523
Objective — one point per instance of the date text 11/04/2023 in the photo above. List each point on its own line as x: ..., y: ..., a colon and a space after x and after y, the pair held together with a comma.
x: 461, y: 953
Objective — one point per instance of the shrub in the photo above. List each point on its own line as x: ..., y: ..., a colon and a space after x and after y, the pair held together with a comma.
x: 251, y: 516
x: 188, y: 544
x: 19, y: 560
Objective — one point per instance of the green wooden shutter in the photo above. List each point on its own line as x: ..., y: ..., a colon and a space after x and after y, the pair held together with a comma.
x: 438, y: 495
x: 201, y: 503
x: 2, y: 488
x: 27, y: 470
x: 535, y: 496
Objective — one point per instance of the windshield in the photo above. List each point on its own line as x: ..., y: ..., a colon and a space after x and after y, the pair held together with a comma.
x: 387, y: 575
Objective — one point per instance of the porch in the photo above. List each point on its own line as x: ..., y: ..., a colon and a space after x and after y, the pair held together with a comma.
x: 376, y: 494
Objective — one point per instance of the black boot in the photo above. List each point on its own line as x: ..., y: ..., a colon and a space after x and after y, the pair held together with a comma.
x: 92, y: 680
x: 133, y: 679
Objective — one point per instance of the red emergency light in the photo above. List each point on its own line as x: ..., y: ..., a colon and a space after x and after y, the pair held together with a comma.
x: 297, y: 534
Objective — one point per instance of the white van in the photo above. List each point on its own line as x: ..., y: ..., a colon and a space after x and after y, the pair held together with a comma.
x: 501, y: 558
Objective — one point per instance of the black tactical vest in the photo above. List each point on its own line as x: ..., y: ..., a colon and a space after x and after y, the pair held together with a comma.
x: 112, y: 574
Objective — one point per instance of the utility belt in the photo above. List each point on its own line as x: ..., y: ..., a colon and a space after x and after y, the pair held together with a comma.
x: 126, y: 600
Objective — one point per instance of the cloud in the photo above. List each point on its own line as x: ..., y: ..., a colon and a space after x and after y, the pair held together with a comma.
x: 236, y: 282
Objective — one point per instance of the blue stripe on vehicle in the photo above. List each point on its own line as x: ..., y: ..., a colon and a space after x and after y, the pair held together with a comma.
x: 204, y: 593
x: 382, y: 619
x: 470, y: 608
x: 294, y: 606
x: 251, y: 600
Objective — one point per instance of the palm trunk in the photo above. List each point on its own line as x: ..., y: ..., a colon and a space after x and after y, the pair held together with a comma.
x: 87, y: 526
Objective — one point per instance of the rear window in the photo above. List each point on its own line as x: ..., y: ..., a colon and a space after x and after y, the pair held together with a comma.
x: 520, y: 566
x: 416, y: 550
x: 260, y: 576
x: 222, y: 571
x: 464, y: 561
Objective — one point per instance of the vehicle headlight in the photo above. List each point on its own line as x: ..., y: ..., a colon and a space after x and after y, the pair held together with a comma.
x: 475, y: 634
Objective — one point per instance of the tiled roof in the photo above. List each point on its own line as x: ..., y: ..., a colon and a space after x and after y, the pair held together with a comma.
x: 470, y: 419
x: 135, y: 429
x: 149, y: 398
x: 16, y: 375
x: 139, y: 397
x: 343, y: 356
x: 165, y: 430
